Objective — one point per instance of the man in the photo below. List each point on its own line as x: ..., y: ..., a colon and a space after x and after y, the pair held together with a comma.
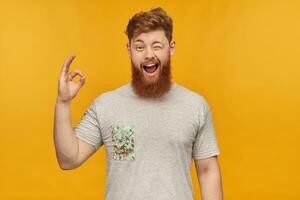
x: 151, y: 127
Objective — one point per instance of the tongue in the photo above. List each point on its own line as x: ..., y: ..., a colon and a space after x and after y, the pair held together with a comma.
x: 151, y: 69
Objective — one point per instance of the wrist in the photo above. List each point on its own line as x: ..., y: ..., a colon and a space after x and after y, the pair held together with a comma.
x: 61, y: 102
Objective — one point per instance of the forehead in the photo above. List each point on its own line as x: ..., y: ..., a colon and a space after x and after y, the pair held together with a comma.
x: 150, y: 37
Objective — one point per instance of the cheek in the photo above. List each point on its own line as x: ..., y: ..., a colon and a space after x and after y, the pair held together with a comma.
x: 163, y: 55
x: 163, y: 58
x: 136, y: 59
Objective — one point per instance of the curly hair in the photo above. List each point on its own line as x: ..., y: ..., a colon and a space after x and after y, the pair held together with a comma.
x: 143, y: 22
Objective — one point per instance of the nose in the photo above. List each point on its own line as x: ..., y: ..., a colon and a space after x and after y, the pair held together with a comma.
x: 149, y: 53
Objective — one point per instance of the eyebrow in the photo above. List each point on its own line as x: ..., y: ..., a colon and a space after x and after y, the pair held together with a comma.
x: 139, y: 41
x: 155, y: 42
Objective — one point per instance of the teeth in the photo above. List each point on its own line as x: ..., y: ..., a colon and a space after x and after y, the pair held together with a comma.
x: 150, y: 65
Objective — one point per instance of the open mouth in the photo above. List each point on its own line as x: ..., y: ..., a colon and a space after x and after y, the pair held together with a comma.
x: 151, y: 68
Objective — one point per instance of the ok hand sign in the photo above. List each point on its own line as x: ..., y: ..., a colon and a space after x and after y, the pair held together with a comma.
x: 67, y: 89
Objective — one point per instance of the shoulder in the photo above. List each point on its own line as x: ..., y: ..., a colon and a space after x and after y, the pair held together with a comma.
x: 192, y: 96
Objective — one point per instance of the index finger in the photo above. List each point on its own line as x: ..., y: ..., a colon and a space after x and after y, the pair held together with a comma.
x: 66, y: 65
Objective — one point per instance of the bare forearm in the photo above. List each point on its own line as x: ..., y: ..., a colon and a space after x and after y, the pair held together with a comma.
x: 65, y: 141
x: 211, y: 185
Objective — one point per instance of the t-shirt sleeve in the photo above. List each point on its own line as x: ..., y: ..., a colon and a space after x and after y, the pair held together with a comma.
x: 88, y: 128
x: 205, y: 144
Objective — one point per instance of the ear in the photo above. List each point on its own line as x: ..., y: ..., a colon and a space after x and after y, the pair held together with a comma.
x: 172, y: 47
x: 128, y: 49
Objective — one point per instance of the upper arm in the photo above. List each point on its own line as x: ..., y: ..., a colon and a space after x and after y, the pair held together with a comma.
x: 209, y: 178
x: 205, y: 144
x: 88, y: 134
x: 85, y: 150
x: 207, y: 164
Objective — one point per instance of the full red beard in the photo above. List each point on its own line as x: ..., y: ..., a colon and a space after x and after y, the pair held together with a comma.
x: 145, y: 88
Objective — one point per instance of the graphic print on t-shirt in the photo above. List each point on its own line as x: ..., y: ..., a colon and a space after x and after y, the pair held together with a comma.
x: 123, y: 142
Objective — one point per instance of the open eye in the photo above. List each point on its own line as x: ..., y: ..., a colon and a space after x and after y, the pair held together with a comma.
x: 139, y: 48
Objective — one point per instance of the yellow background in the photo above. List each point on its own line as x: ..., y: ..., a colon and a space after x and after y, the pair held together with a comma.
x: 242, y: 55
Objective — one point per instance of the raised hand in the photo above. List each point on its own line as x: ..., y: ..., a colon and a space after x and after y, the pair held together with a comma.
x: 67, y: 89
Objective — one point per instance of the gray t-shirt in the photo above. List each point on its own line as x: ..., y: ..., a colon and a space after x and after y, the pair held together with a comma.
x: 149, y: 143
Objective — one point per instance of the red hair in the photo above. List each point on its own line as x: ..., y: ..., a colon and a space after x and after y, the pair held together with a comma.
x: 143, y: 22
